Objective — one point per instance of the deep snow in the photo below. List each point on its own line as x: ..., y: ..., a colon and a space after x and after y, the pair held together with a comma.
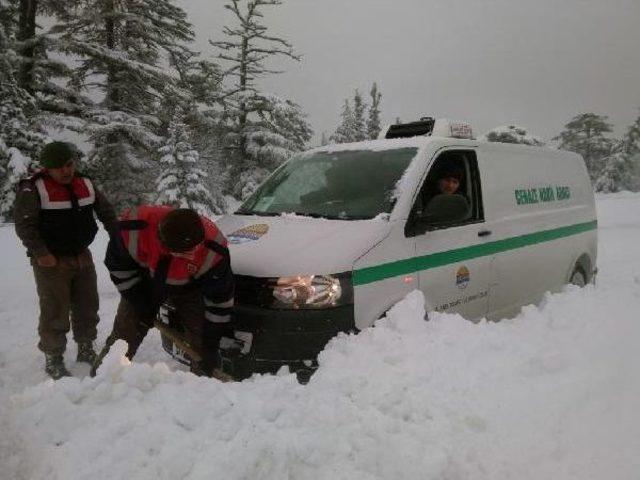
x: 553, y: 393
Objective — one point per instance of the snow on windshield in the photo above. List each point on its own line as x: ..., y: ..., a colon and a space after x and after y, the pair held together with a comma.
x: 345, y: 184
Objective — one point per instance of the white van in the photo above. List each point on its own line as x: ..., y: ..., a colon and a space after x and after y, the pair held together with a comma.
x: 339, y: 234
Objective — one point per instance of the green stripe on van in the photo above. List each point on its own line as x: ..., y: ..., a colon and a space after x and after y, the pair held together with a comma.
x: 411, y: 265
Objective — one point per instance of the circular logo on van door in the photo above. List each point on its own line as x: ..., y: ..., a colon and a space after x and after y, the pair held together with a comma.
x: 463, y: 277
x: 247, y: 234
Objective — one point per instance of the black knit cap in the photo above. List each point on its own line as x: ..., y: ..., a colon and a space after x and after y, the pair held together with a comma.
x: 57, y: 154
x: 452, y: 171
x: 181, y: 230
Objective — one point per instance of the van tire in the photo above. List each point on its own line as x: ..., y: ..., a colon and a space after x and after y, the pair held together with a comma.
x: 578, y: 277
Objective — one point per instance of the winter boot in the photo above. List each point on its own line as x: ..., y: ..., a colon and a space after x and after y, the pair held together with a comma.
x: 54, y: 366
x: 86, y: 354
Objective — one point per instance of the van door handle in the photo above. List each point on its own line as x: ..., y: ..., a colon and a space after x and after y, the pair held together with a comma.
x: 484, y: 233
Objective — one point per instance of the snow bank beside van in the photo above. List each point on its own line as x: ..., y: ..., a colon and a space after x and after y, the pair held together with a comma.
x: 550, y: 394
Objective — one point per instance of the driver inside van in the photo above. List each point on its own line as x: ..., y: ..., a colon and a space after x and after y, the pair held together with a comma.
x: 446, y: 179
x: 449, y: 181
x: 445, y: 199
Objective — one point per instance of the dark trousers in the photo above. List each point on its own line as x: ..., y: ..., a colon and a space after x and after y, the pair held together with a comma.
x: 189, y: 309
x: 68, y: 295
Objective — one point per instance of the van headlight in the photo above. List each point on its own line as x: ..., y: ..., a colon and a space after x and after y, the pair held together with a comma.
x: 312, y: 291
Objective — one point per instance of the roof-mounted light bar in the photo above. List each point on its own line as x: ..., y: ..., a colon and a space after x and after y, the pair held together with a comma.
x: 414, y: 129
x: 427, y: 126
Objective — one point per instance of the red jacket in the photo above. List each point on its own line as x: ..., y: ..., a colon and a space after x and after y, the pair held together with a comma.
x: 134, y: 260
x: 145, y: 247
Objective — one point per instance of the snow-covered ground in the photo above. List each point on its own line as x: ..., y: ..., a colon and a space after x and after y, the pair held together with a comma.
x: 553, y: 393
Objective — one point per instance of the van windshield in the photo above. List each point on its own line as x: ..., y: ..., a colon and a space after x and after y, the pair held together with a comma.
x: 346, y: 185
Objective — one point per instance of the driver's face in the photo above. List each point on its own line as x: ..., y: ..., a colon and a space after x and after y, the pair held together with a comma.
x: 448, y: 185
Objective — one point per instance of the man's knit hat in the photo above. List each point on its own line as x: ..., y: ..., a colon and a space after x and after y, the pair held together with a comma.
x: 56, y: 154
x: 452, y: 171
x: 181, y: 230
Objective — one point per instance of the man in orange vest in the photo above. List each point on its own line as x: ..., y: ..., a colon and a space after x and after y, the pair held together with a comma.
x: 163, y: 254
x: 54, y: 218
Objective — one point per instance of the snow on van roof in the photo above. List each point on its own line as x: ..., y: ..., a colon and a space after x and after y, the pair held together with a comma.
x: 373, y: 145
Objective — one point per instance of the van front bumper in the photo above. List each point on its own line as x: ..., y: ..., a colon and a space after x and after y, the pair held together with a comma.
x: 278, y: 338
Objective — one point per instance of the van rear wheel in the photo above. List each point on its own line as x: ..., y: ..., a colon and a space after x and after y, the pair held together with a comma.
x: 578, y: 277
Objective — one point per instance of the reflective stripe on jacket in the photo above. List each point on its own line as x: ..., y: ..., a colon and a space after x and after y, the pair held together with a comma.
x: 66, y: 221
x: 144, y: 271
x: 140, y: 237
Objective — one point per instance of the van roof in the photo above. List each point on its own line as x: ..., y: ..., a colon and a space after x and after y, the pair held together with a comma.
x: 423, y: 141
x: 383, y: 144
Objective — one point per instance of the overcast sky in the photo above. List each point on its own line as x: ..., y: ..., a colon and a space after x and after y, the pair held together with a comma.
x: 533, y: 63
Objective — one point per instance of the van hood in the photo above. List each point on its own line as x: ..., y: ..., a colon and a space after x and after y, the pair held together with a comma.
x: 294, y: 245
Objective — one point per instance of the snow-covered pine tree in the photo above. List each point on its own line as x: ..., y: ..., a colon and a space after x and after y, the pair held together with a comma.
x: 120, y: 45
x: 345, y: 132
x: 359, y: 127
x: 631, y: 151
x: 182, y: 181
x: 281, y: 131
x: 207, y: 135
x: 633, y: 172
x: 17, y: 108
x: 8, y: 27
x: 631, y: 139
x: 285, y: 118
x: 16, y: 168
x: 616, y: 173
x: 44, y: 76
x: 513, y: 134
x: 373, y: 118
x: 20, y: 138
x: 245, y: 51
x: 586, y: 134
x: 4, y: 157
x: 200, y: 81
x: 7, y: 15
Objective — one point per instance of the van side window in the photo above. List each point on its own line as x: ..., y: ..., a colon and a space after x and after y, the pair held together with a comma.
x: 450, y: 195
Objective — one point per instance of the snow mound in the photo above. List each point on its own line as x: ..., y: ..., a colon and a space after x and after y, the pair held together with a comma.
x: 552, y: 393
x: 408, y: 398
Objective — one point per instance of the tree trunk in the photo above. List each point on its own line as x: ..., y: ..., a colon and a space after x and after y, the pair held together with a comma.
x: 243, y: 87
x: 26, y: 33
x: 243, y: 78
x: 112, y: 94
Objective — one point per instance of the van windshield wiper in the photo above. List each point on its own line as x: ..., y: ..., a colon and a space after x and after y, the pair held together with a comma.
x: 254, y: 212
x: 304, y: 214
x: 309, y: 214
x: 332, y: 217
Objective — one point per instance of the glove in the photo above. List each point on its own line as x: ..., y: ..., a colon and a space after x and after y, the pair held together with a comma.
x: 232, y: 346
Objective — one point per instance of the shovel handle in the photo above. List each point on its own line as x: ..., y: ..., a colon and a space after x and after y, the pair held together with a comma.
x: 178, y: 340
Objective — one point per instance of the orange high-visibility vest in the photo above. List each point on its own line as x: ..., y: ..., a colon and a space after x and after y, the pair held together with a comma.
x: 143, y: 244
